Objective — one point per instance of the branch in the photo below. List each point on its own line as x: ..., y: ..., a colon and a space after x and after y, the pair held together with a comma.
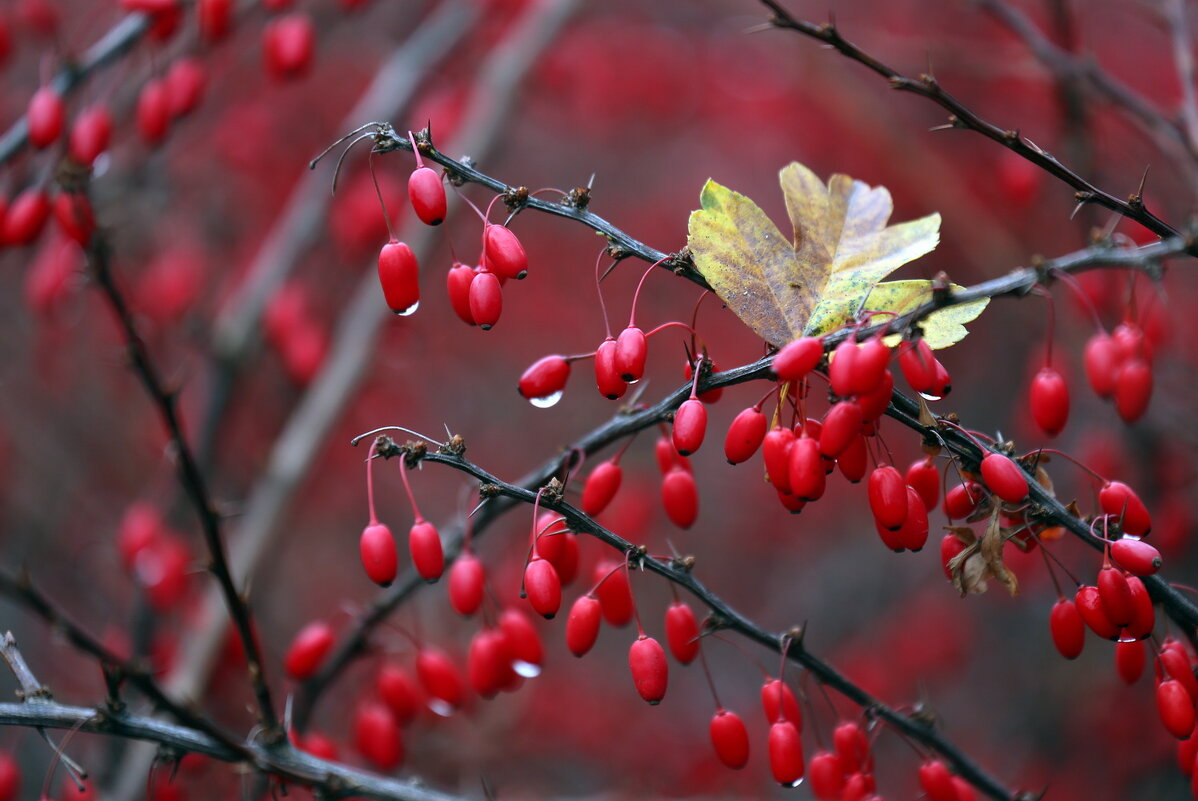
x: 190, y: 477
x: 332, y: 780
x: 963, y: 117
x: 1168, y: 135
x: 119, y: 40
x: 115, y: 669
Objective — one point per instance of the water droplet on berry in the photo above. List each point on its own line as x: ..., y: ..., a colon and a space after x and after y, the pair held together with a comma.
x: 545, y: 401
x: 408, y: 311
x: 929, y: 397
x: 441, y: 707
x: 526, y: 669
x: 796, y: 782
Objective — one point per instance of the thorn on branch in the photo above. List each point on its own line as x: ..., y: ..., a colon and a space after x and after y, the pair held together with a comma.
x: 455, y: 446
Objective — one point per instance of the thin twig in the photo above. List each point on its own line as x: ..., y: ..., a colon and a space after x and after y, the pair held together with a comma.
x: 190, y: 477
x: 961, y: 116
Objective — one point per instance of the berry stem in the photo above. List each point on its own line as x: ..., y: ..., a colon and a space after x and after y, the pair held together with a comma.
x: 379, y: 193
x: 370, y: 482
x: 637, y: 294
x: 599, y: 290
x: 403, y: 473
x: 710, y: 682
x: 1064, y: 455
x: 415, y: 150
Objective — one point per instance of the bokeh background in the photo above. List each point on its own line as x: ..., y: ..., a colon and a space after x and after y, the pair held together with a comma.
x: 648, y: 100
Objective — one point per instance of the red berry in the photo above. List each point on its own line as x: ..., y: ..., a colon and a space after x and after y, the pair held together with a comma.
x: 854, y: 460
x: 45, y: 117
x: 441, y: 680
x: 399, y: 276
x: 216, y: 17
x: 582, y: 626
x: 10, y: 777
x: 379, y: 556
x: 745, y: 435
x: 888, y: 499
x: 1068, y: 629
x: 806, y: 470
x: 1120, y: 500
x: 913, y: 534
x: 730, y: 739
x: 825, y: 776
x: 489, y: 663
x: 936, y: 781
x: 707, y: 396
x: 1050, y: 401
x: 650, y: 671
x: 308, y: 649
x: 1089, y: 603
x: 503, y: 253
x: 90, y: 134
x: 841, y: 424
x: 631, y: 351
x: 153, y: 111
x: 1101, y: 360
x: 1130, y: 342
x: 798, y: 358
x: 950, y: 548
x: 1116, y: 596
x: 942, y: 386
x: 377, y: 736
x: 918, y: 365
x: 690, y: 426
x: 524, y: 642
x: 398, y: 691
x: 601, y: 486
x: 615, y: 595
x: 561, y: 548
x: 543, y: 587
x: 424, y: 545
x: 543, y: 383
x: 607, y: 377
x: 1144, y: 615
x: 26, y: 217
x: 775, y: 452
x: 457, y: 284
x: 467, y: 579
x: 786, y: 753
x: 1176, y: 708
x: 842, y: 368
x: 287, y: 43
x: 427, y: 194
x: 965, y: 791
x: 1176, y: 664
x: 1004, y: 477
x: 682, y: 632
x: 680, y: 497
x: 779, y: 703
x: 869, y: 366
x: 1129, y: 660
x: 852, y: 747
x: 791, y: 502
x: 962, y: 500
x: 924, y: 477
x: 1187, y: 753
x: 874, y: 403
x: 486, y: 299
x: 74, y: 214
x: 1133, y: 389
x: 185, y: 82
x: 1137, y: 557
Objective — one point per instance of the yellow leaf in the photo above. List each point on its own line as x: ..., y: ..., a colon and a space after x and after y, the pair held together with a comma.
x: 941, y: 328
x: 840, y: 249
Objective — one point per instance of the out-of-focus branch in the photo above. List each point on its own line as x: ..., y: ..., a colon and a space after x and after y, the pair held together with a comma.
x: 301, y: 222
x: 1168, y: 135
x: 119, y: 40
x: 353, y: 344
x: 329, y: 779
x: 1183, y: 57
x: 22, y: 590
x: 962, y: 117
x: 190, y: 477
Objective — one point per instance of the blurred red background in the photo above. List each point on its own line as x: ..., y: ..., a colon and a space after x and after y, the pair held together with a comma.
x: 650, y: 99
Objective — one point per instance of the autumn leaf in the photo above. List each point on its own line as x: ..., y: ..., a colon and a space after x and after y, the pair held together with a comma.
x: 821, y: 278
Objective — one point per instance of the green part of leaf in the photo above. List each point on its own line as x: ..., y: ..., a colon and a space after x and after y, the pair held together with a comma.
x: 940, y: 328
x: 841, y: 248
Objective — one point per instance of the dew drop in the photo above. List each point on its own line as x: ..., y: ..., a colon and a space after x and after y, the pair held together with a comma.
x: 634, y: 381
x: 545, y: 401
x: 410, y: 310
x: 101, y: 165
x: 1125, y: 637
x: 796, y: 782
x: 928, y: 397
x: 441, y: 707
x: 526, y: 669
